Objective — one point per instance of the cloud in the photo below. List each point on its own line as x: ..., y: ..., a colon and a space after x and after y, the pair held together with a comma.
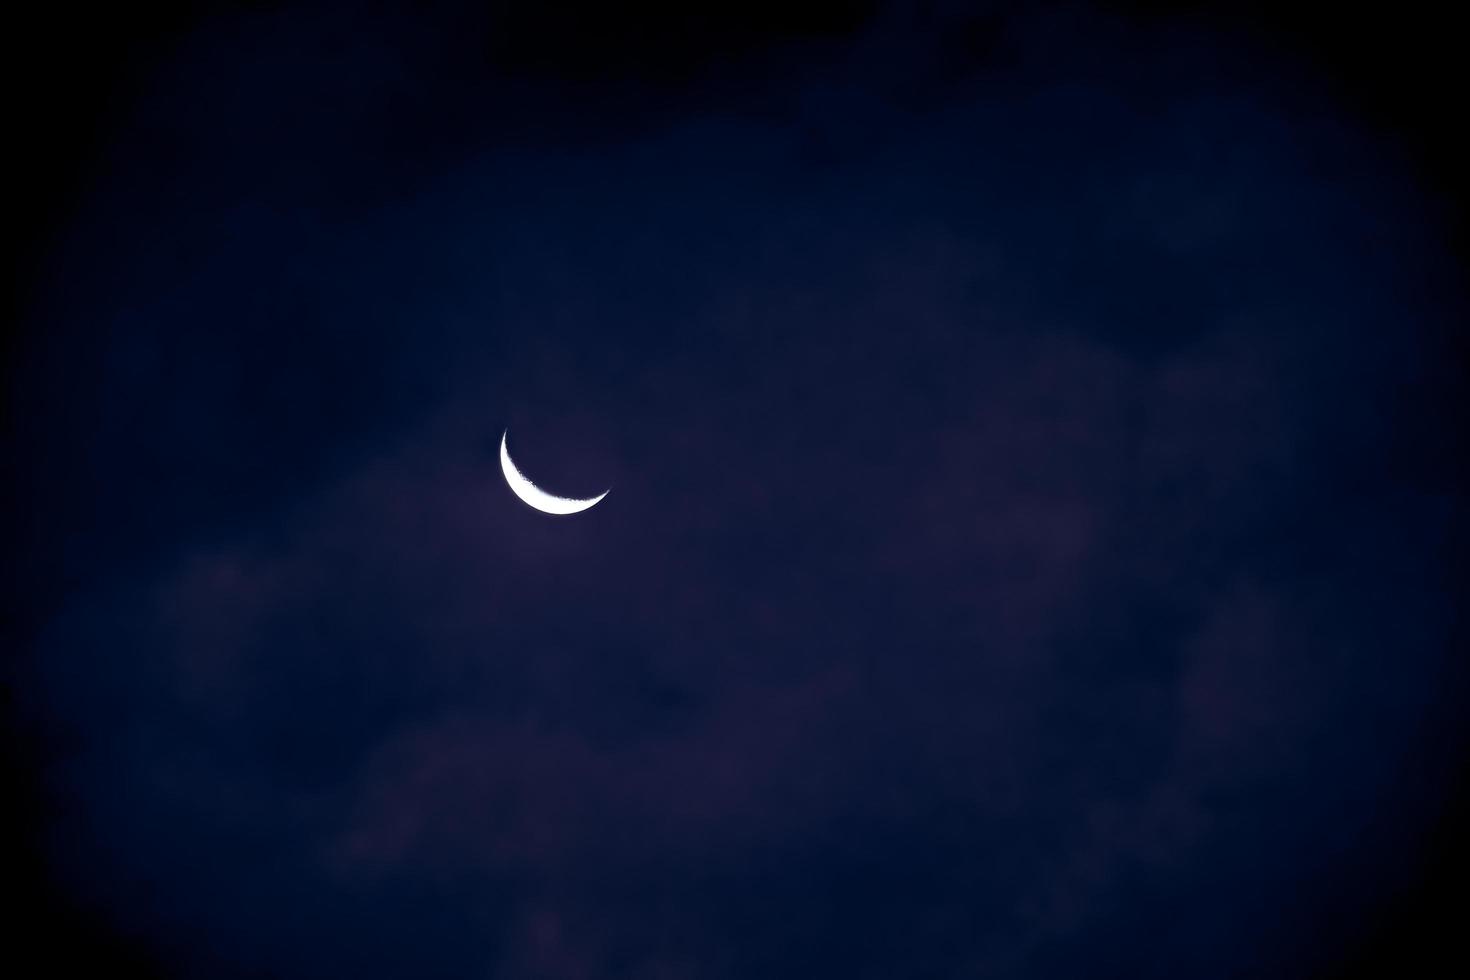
x: 998, y: 577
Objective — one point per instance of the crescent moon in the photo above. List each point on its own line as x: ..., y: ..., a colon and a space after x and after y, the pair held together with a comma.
x: 545, y: 502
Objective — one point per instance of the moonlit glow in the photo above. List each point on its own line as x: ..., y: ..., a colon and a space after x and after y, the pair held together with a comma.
x: 545, y: 502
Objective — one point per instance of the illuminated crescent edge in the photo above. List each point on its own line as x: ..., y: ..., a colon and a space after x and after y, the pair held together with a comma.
x: 533, y: 495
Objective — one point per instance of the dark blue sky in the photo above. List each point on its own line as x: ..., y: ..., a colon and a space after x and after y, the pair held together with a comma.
x: 1035, y: 520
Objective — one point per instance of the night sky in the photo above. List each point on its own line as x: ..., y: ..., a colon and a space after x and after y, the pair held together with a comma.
x: 1035, y: 546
